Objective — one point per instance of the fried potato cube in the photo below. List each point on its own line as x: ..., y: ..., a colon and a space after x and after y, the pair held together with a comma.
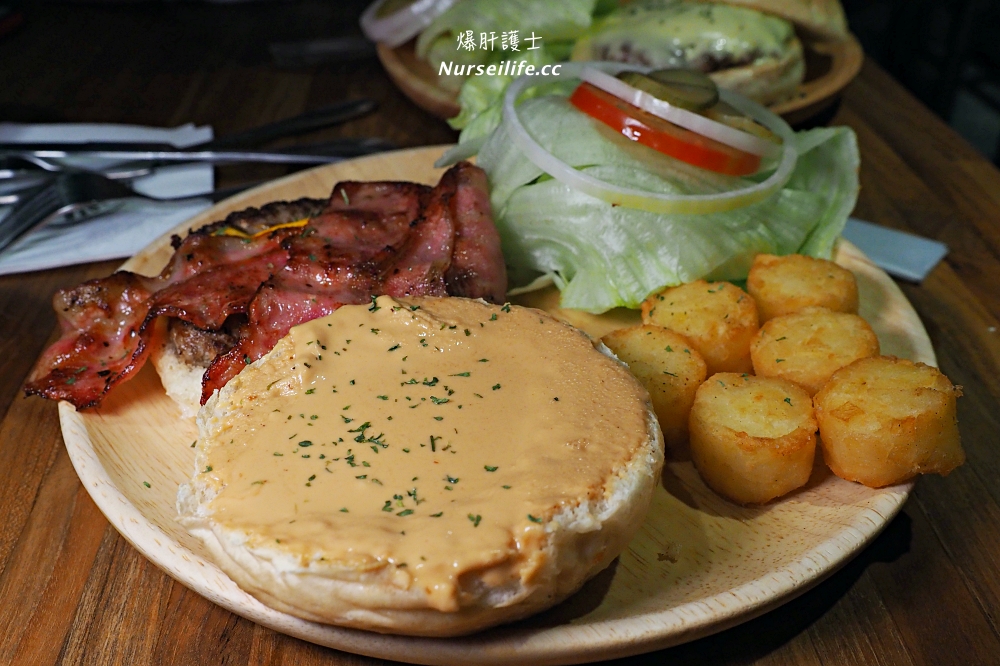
x: 752, y: 438
x: 718, y: 319
x: 883, y: 420
x: 671, y: 370
x: 782, y: 285
x: 808, y: 346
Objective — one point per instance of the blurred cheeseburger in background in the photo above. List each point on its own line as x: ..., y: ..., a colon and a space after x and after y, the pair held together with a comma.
x: 749, y: 46
x: 754, y: 47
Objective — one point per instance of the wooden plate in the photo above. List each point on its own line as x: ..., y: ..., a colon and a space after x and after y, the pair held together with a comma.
x: 830, y: 65
x: 698, y: 565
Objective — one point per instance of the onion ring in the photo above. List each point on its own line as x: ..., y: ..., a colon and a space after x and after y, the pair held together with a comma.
x: 403, y: 24
x: 642, y: 199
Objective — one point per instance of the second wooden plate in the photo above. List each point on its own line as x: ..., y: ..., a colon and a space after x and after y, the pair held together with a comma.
x: 830, y: 65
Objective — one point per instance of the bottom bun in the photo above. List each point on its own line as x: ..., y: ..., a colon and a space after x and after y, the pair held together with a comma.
x: 580, y: 542
x: 563, y: 528
x: 180, y: 379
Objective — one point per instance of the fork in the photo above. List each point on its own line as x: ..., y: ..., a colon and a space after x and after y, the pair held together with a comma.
x: 81, y: 195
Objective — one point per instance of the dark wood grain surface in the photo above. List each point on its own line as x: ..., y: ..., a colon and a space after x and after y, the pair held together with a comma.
x: 927, y: 591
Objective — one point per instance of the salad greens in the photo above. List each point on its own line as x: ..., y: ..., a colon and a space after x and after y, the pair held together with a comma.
x: 603, y: 256
x: 481, y: 99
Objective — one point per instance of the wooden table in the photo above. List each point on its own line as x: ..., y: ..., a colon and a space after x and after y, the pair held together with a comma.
x: 72, y: 590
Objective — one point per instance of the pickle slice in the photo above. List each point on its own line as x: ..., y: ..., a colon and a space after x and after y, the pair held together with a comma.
x: 727, y: 115
x: 685, y: 88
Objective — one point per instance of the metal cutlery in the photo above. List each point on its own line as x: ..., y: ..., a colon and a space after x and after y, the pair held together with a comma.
x: 330, y: 151
x: 304, y: 122
x: 177, y: 156
x: 143, y: 157
x: 300, y: 124
x: 66, y: 193
x: 46, y: 191
x: 346, y: 146
x: 315, y: 51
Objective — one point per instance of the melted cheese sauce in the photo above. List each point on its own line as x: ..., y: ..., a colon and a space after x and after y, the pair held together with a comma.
x: 677, y: 34
x: 434, y: 436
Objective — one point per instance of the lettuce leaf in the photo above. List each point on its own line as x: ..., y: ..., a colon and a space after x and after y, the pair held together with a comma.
x: 605, y: 256
x: 483, y: 95
x: 482, y: 107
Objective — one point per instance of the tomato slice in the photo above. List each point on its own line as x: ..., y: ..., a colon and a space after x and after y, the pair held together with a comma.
x: 662, y: 135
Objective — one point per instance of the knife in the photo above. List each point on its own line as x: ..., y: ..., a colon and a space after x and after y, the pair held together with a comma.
x: 175, y: 155
x: 346, y: 146
x: 304, y: 122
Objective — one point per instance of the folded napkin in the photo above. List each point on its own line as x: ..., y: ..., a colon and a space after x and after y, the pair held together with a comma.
x: 126, y: 231
x: 898, y: 253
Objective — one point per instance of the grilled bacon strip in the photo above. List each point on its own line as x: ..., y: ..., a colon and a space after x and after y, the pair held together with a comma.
x: 102, y: 343
x: 477, y: 269
x: 344, y: 257
x: 106, y: 322
x: 401, y: 239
